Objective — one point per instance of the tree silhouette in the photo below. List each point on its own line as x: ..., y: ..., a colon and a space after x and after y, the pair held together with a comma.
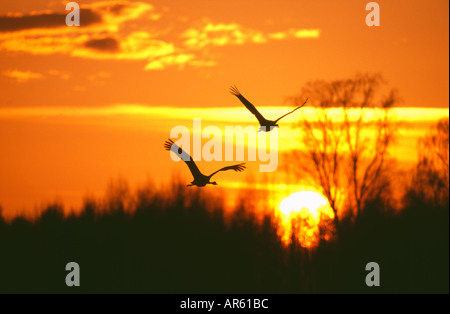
x: 431, y: 178
x: 345, y: 142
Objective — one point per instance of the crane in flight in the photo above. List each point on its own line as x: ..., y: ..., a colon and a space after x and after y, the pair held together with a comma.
x: 199, y: 178
x: 265, y: 125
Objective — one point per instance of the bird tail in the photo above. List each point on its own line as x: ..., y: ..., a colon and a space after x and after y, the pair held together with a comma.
x: 168, y: 144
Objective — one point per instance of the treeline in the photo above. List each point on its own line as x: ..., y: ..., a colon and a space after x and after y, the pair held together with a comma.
x: 182, y: 241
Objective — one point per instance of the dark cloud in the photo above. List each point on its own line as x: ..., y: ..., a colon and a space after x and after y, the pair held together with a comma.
x: 45, y: 20
x: 107, y: 44
x: 117, y: 8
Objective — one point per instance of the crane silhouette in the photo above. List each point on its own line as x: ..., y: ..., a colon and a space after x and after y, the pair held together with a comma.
x: 199, y: 178
x: 265, y: 125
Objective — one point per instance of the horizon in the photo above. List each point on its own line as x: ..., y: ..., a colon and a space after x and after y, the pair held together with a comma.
x: 414, y: 125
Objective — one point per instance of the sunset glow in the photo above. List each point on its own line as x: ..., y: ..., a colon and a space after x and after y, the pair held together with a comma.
x: 224, y: 147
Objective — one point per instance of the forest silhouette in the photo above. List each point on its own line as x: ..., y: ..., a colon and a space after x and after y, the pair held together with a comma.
x: 185, y: 243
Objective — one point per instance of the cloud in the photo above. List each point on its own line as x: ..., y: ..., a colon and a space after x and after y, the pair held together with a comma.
x: 59, y: 74
x: 163, y: 62
x: 103, y: 44
x: 42, y: 20
x: 101, y: 35
x: 102, y: 13
x: 119, y: 30
x: 277, y: 35
x: 219, y: 34
x: 306, y: 33
x: 22, y: 76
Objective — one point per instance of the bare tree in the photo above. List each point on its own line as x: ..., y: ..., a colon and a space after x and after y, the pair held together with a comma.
x: 345, y: 139
x: 431, y: 178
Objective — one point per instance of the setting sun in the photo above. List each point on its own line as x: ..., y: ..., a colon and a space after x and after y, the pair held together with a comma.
x: 306, y: 208
x: 307, y: 203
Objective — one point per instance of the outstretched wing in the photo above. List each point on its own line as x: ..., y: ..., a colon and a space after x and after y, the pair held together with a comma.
x: 234, y: 91
x: 170, y: 145
x: 238, y: 168
x: 291, y: 111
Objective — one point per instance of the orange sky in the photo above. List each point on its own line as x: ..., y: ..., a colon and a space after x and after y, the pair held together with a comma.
x: 185, y: 54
